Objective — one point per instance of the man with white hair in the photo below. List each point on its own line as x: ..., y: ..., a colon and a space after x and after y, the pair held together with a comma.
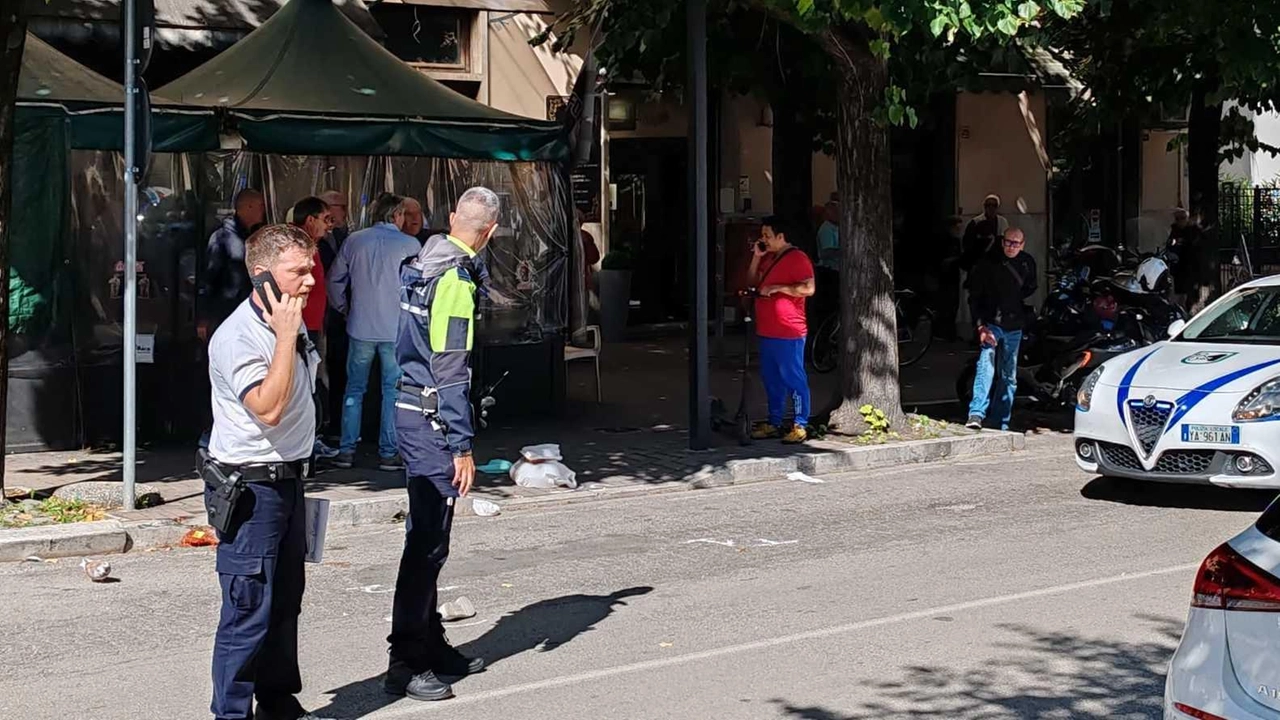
x: 434, y: 426
x: 984, y: 233
x: 363, y: 285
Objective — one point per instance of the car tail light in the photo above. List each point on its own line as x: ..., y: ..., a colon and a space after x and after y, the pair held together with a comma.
x: 1227, y: 581
x: 1196, y: 713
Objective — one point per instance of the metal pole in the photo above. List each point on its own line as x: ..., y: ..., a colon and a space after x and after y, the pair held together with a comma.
x: 130, y: 255
x: 699, y: 381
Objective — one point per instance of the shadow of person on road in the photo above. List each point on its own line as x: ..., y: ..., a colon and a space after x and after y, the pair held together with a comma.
x: 544, y: 626
x: 547, y: 624
x: 1167, y: 495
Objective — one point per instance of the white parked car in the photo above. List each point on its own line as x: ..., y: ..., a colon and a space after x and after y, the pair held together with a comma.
x: 1226, y: 665
x: 1201, y: 407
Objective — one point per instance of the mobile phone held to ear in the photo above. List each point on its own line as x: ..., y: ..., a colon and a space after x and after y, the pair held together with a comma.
x: 261, y: 282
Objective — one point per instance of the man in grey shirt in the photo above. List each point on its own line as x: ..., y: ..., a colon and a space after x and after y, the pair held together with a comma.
x: 368, y: 267
x: 263, y: 370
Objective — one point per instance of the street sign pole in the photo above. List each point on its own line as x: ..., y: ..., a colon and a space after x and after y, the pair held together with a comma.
x: 130, y: 255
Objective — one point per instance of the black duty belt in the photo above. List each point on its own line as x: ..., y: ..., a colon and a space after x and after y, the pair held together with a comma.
x: 267, y: 472
x: 429, y: 401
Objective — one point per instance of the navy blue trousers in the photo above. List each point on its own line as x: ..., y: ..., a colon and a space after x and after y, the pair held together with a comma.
x: 260, y: 568
x: 416, y: 627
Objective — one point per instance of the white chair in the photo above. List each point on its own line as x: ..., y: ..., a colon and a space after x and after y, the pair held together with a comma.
x: 592, y: 353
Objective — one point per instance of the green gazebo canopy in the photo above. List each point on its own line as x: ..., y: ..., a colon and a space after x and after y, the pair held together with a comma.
x: 310, y: 82
x: 52, y: 86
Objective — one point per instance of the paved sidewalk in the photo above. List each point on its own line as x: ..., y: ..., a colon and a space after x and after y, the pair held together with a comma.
x: 635, y: 441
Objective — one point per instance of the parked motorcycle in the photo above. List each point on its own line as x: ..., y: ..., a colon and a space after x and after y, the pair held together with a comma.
x: 1052, y: 366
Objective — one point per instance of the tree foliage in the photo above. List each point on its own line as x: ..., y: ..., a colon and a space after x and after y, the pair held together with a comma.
x: 1138, y: 57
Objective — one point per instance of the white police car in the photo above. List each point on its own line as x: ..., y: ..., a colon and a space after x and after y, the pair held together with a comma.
x: 1201, y: 407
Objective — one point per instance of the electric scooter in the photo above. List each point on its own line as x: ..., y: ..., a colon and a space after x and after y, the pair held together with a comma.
x: 740, y: 423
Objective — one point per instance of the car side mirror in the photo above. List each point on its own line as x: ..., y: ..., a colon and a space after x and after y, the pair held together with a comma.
x: 1176, y: 327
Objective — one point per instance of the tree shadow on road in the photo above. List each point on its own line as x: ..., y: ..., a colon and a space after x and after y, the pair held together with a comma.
x: 542, y: 626
x: 1043, y: 675
x: 1167, y: 495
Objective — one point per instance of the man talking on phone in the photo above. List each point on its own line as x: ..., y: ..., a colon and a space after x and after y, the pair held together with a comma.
x: 998, y: 288
x: 263, y: 370
x: 434, y: 428
x: 783, y: 277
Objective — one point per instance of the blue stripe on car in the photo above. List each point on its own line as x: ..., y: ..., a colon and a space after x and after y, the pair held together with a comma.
x: 1193, y: 397
x: 1122, y: 393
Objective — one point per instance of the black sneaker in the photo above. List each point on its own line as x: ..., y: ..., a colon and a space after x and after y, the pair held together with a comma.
x: 402, y: 681
x: 391, y: 463
x: 975, y: 423
x: 345, y: 460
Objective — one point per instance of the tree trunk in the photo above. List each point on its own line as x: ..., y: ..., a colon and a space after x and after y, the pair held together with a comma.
x: 869, y: 357
x: 13, y: 34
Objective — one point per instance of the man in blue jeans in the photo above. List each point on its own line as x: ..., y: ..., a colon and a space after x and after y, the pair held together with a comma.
x: 999, y: 285
x: 368, y: 267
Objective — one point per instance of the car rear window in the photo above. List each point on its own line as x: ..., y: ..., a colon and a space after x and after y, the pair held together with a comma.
x: 1269, y: 523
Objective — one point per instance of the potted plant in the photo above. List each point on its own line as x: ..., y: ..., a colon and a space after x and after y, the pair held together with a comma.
x: 615, y: 293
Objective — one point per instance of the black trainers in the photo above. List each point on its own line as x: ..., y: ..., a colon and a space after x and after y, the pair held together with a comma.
x: 975, y: 423
x: 402, y: 681
x: 391, y: 463
x: 344, y: 460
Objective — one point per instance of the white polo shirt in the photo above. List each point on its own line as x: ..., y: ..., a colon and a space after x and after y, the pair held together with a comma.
x: 239, y: 355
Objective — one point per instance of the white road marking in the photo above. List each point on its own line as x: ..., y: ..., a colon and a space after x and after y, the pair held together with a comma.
x: 556, y: 682
x: 731, y: 543
x: 376, y: 589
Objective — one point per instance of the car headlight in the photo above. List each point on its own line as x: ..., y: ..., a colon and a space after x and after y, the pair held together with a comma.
x: 1085, y: 395
x: 1261, y: 404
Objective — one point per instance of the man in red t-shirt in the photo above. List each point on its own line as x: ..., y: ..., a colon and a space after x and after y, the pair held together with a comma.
x: 783, y: 276
x: 312, y: 215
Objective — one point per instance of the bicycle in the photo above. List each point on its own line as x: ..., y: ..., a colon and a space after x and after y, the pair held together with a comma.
x: 1240, y: 270
x: 915, y: 334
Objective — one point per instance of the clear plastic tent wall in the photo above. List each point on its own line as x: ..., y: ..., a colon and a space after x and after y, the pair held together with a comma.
x: 66, y: 318
x: 529, y: 258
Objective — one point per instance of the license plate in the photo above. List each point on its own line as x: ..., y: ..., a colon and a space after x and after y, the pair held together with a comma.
x: 1216, y: 434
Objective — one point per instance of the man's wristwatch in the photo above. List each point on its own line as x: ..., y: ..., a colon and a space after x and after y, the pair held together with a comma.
x: 462, y: 454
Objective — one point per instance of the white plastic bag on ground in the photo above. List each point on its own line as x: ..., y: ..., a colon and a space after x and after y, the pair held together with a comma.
x: 543, y: 475
x: 541, y: 453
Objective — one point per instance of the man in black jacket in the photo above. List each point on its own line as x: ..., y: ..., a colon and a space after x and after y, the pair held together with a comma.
x: 998, y: 287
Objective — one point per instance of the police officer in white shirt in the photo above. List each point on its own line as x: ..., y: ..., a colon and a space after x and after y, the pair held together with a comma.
x: 263, y: 370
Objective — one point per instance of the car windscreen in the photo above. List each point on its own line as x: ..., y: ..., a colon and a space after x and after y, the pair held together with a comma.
x: 1248, y: 316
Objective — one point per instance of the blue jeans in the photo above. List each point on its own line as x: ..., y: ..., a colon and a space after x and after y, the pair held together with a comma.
x: 782, y: 370
x: 360, y: 356
x: 1007, y: 342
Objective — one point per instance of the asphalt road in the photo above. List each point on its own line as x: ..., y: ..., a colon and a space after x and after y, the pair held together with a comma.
x: 1012, y: 587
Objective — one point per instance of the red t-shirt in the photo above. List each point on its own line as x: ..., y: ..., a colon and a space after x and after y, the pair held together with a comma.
x: 782, y: 316
x: 317, y: 300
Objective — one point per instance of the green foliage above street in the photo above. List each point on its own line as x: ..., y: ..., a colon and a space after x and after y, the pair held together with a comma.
x: 1144, y: 60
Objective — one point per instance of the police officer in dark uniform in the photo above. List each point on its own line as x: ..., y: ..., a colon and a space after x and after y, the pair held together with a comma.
x: 263, y: 371
x: 434, y: 428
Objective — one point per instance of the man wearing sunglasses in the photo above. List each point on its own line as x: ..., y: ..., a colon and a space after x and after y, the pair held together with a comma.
x: 998, y: 289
